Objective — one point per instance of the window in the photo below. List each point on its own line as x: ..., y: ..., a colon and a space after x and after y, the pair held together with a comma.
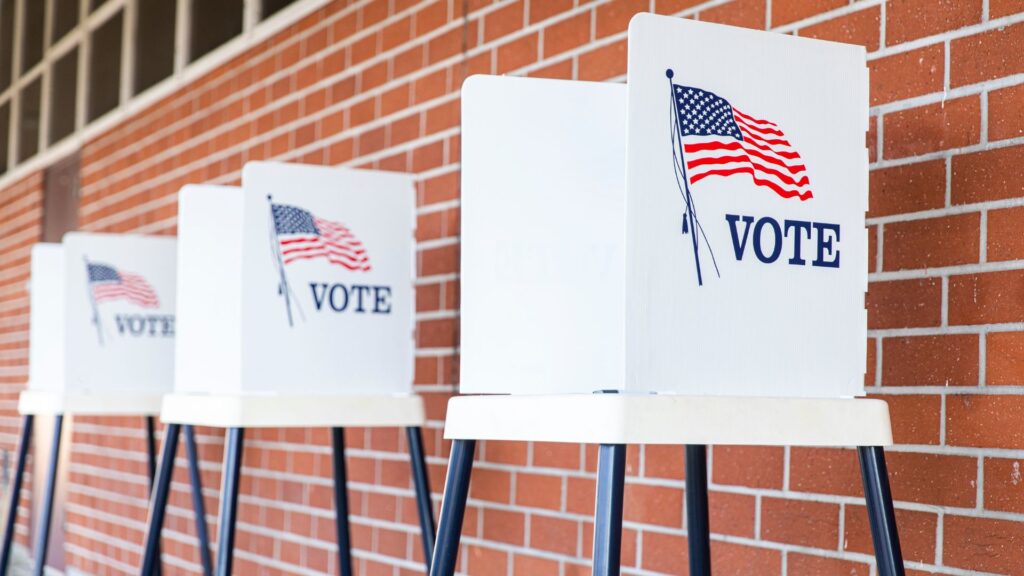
x: 105, y: 68
x: 63, y: 96
x: 28, y: 120
x: 154, y: 43
x: 214, y: 22
x: 32, y: 34
x: 65, y: 64
x: 271, y: 7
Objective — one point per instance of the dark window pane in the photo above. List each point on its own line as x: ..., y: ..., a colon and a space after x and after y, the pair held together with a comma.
x: 63, y: 89
x: 94, y: 4
x: 154, y: 42
x: 65, y: 18
x: 105, y: 67
x: 28, y: 120
x: 6, y: 42
x: 214, y: 22
x: 32, y: 34
x: 5, y: 129
x: 60, y: 198
x: 271, y: 6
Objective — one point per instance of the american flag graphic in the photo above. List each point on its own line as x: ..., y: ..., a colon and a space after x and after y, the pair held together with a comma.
x: 719, y: 140
x: 108, y: 283
x: 302, y: 236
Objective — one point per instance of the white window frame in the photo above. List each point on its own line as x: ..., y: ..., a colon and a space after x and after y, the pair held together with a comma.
x: 254, y: 31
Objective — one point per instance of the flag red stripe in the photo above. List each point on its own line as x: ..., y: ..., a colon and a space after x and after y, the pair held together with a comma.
x: 784, y: 192
x: 792, y: 169
x: 785, y: 178
x: 758, y: 121
x: 364, y: 267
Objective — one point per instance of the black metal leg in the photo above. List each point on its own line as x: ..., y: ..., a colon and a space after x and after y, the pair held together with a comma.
x: 151, y: 453
x: 697, y: 530
x: 611, y: 480
x: 43, y: 532
x: 341, y: 502
x: 158, y: 501
x: 422, y: 483
x: 880, y: 512
x: 198, y: 506
x: 12, y: 507
x: 229, y: 500
x: 453, y: 508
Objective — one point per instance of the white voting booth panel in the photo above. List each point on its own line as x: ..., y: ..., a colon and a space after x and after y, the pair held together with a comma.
x: 578, y: 273
x: 102, y: 325
x: 296, y: 299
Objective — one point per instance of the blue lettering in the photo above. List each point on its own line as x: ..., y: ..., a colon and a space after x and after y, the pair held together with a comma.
x: 798, y: 226
x: 776, y: 238
x: 825, y: 244
x: 738, y: 245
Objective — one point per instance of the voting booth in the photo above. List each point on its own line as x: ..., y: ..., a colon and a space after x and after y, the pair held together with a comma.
x: 295, y: 309
x: 102, y: 327
x: 678, y: 260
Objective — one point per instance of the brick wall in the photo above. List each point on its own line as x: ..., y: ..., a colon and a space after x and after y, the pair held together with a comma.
x: 374, y: 83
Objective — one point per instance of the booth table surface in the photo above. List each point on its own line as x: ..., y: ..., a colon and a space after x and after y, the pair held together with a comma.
x: 85, y: 404
x: 670, y: 419
x: 283, y: 411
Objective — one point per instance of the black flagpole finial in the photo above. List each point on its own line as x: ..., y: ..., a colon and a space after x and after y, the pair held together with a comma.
x: 669, y: 73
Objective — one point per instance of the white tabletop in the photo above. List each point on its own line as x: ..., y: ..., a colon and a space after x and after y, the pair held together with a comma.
x: 86, y: 404
x: 279, y: 411
x: 670, y: 419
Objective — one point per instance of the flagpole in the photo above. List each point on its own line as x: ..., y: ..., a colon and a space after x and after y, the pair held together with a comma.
x: 686, y: 185
x: 282, y: 287
x: 92, y: 301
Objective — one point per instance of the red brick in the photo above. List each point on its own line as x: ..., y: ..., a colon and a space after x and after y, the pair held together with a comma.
x: 916, y: 530
x: 731, y: 513
x: 753, y: 466
x: 744, y: 13
x: 986, y: 56
x: 657, y: 505
x: 1006, y: 113
x: 824, y: 471
x: 603, y: 63
x: 871, y: 362
x: 788, y: 11
x: 983, y: 544
x: 798, y: 522
x: 613, y: 17
x: 1004, y: 358
x: 544, y: 9
x: 985, y: 421
x: 1004, y: 485
x: 556, y: 535
x: 533, y: 566
x: 988, y: 175
x: 942, y: 360
x: 567, y: 34
x: 1000, y: 8
x: 907, y: 20
x: 933, y: 479
x: 932, y: 242
x: 822, y: 566
x: 731, y: 559
x: 664, y: 553
x: 907, y: 74
x: 539, y: 490
x: 987, y: 298
x: 915, y: 419
x: 664, y: 462
x: 908, y: 188
x: 517, y: 54
x: 503, y: 21
x: 504, y: 526
x: 931, y: 128
x: 860, y: 27
x: 904, y: 303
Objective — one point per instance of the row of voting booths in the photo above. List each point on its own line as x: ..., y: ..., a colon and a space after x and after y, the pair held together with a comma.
x: 680, y: 259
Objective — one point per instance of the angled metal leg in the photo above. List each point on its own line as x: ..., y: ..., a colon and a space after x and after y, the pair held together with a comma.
x: 15, y: 497
x: 198, y: 506
x: 883, y: 520
x: 151, y: 462
x: 422, y: 483
x: 229, y: 500
x: 158, y: 501
x: 611, y: 480
x: 698, y: 532
x: 341, y: 502
x: 453, y: 508
x: 43, y: 532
